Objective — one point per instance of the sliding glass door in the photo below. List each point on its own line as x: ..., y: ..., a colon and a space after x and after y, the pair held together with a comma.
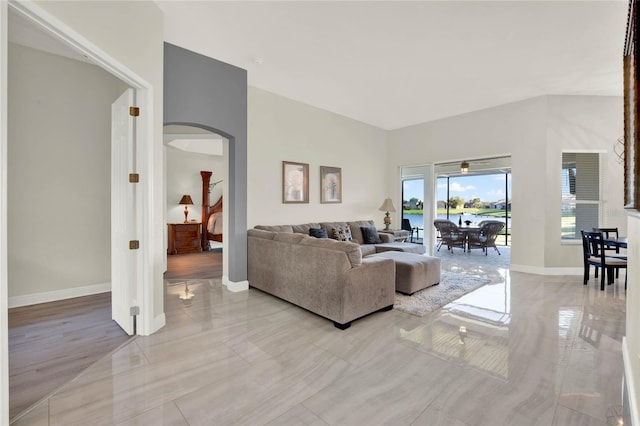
x: 413, y: 208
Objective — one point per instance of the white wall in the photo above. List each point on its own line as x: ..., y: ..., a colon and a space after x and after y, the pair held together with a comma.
x: 514, y: 129
x: 631, y: 343
x: 282, y: 129
x: 183, y: 177
x: 582, y: 123
x: 533, y: 133
x: 131, y: 32
x: 59, y: 173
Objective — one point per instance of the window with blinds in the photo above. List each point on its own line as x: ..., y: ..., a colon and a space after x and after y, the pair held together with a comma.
x: 580, y: 193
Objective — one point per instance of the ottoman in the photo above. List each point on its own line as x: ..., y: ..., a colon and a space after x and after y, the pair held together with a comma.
x: 403, y: 247
x: 413, y: 271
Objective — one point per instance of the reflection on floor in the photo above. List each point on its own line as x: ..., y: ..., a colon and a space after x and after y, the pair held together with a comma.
x: 525, y: 349
x: 477, y: 257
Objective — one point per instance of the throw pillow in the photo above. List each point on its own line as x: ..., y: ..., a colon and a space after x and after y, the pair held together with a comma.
x: 318, y: 232
x: 370, y: 235
x: 342, y: 233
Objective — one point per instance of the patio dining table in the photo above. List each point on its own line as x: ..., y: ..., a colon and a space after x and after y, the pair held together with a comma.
x: 464, y: 230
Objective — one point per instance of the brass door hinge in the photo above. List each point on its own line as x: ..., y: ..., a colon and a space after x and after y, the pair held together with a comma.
x: 134, y: 111
x: 134, y: 245
x: 134, y: 178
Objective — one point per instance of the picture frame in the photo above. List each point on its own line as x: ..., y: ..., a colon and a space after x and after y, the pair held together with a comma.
x: 295, y: 182
x: 631, y: 99
x: 330, y: 185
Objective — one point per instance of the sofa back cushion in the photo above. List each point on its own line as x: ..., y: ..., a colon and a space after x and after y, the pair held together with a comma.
x: 287, y: 237
x: 356, y: 232
x: 318, y: 232
x: 276, y: 228
x: 352, y: 250
x: 329, y: 227
x: 304, y: 228
x: 258, y: 233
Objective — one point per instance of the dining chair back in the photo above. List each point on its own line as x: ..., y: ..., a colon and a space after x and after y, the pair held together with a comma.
x: 593, y: 248
x: 613, y: 250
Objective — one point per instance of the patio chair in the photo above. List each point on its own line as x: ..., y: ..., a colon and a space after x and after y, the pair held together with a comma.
x: 406, y: 226
x: 450, y: 234
x: 485, y: 236
x: 593, y: 250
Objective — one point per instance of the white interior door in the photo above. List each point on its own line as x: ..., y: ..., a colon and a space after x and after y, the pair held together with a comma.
x: 122, y: 212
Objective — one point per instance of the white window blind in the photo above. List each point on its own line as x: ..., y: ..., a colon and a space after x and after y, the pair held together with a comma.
x: 580, y: 193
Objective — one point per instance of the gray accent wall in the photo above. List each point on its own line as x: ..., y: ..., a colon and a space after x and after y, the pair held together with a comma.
x: 202, y: 92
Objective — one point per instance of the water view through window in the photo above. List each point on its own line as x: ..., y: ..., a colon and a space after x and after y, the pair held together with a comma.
x: 464, y: 200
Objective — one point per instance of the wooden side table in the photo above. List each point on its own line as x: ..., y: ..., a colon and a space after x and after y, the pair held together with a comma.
x: 184, y: 238
x: 399, y: 235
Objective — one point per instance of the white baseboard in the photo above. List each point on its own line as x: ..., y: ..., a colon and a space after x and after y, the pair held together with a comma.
x: 52, y: 296
x: 631, y: 386
x: 159, y: 322
x: 235, y: 286
x: 540, y: 270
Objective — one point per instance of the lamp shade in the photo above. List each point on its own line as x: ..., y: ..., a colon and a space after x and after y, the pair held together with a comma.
x: 186, y: 200
x: 387, y: 206
x: 464, y: 167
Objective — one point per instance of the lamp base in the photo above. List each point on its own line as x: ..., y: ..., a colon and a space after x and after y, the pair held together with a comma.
x: 186, y: 214
x: 387, y: 222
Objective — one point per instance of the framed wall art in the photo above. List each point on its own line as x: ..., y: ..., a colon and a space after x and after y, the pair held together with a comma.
x: 631, y: 99
x: 295, y: 182
x: 330, y: 185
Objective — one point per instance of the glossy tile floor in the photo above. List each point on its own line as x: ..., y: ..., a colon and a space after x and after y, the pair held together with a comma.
x: 525, y: 349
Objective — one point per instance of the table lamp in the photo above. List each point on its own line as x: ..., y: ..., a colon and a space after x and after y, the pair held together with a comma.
x: 387, y: 206
x: 186, y: 201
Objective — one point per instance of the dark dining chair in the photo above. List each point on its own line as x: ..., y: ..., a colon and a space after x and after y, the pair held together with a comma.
x: 406, y: 226
x: 614, y: 251
x: 450, y: 234
x: 485, y: 236
x: 593, y: 248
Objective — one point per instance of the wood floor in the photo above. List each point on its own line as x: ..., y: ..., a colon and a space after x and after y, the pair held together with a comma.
x: 51, y: 343
x: 204, y: 266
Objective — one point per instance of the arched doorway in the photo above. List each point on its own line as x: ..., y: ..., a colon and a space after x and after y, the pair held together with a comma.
x: 208, y: 94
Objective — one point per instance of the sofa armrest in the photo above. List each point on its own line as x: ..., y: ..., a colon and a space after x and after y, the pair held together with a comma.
x: 368, y: 288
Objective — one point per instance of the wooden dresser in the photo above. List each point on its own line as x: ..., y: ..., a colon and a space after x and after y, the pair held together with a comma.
x: 184, y: 238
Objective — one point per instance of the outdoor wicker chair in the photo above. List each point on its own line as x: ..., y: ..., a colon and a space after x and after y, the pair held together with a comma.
x: 450, y: 234
x: 485, y: 236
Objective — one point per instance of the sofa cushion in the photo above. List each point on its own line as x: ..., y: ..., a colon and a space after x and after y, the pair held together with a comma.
x: 355, y: 226
x: 258, y: 233
x: 370, y: 235
x: 287, y: 237
x: 342, y: 233
x: 304, y: 228
x: 405, y: 247
x: 367, y: 249
x: 328, y: 226
x: 352, y: 250
x: 276, y: 228
x: 318, y: 232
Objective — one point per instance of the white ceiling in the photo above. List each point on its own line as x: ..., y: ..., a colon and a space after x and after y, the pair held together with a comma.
x: 26, y: 33
x: 394, y: 64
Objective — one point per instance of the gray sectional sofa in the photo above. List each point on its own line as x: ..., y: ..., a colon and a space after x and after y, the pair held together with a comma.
x: 335, y: 279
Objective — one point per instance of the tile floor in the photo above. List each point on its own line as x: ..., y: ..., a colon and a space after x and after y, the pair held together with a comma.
x: 525, y: 349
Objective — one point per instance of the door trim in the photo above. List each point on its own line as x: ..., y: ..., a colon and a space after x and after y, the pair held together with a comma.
x: 144, y: 153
